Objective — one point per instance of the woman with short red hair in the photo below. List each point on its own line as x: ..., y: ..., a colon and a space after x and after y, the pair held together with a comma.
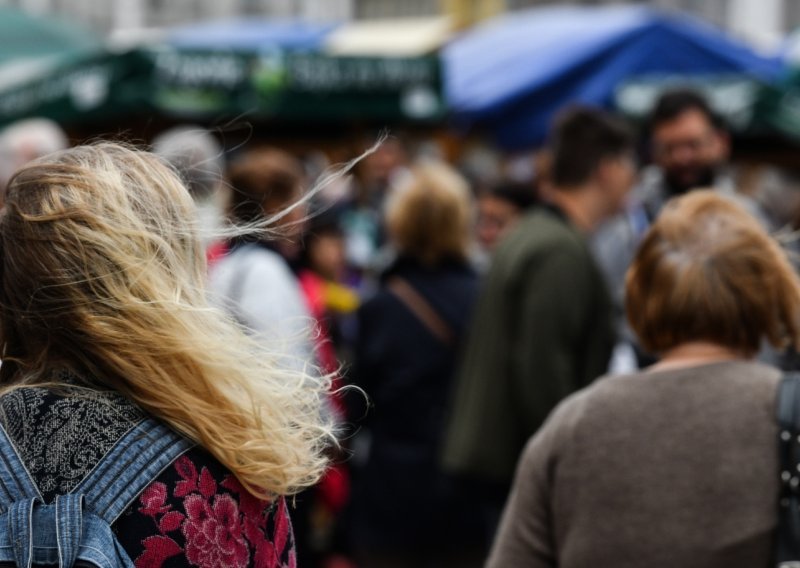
x: 676, y: 465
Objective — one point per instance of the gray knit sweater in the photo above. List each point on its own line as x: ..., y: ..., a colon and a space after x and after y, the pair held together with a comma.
x: 658, y: 469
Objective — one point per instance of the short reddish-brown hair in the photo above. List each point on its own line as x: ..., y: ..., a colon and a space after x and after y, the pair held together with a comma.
x: 708, y: 271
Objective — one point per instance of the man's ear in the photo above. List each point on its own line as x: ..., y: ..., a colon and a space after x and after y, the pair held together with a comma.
x: 604, y: 170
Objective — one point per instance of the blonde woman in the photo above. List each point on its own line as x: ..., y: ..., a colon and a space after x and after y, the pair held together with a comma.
x: 676, y: 465
x: 108, y: 340
x: 405, y: 511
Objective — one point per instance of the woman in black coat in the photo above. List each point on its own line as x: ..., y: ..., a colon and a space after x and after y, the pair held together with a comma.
x: 405, y: 512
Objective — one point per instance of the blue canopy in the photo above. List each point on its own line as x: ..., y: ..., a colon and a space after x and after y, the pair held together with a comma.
x: 513, y: 73
x: 251, y: 35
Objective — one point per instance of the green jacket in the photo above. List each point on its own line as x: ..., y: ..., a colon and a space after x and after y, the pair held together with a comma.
x: 542, y: 330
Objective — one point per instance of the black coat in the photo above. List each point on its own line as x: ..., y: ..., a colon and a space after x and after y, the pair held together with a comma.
x: 407, y: 373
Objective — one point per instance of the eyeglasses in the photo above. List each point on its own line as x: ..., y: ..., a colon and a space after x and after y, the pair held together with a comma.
x: 692, y: 145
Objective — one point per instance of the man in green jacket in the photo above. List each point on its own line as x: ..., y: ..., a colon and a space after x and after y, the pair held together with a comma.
x: 543, y: 324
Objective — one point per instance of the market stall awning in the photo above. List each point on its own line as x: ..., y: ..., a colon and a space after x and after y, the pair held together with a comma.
x: 205, y: 85
x: 291, y: 70
x: 79, y: 88
x: 26, y: 37
x: 399, y: 37
x: 53, y: 69
x: 513, y: 73
x: 251, y: 70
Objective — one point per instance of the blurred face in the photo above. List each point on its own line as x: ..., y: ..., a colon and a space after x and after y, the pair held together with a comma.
x: 496, y: 217
x: 326, y: 254
x: 291, y: 226
x: 689, y: 150
x: 616, y: 176
x: 379, y: 165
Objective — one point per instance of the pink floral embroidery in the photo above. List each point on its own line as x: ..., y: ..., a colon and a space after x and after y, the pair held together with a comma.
x: 188, y: 474
x: 208, y: 486
x: 153, y: 500
x: 171, y: 522
x: 217, y: 529
x: 213, y: 532
x: 157, y: 549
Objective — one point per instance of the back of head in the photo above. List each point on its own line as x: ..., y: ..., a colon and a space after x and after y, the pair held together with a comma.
x: 195, y: 154
x: 672, y: 104
x: 102, y: 274
x: 707, y: 271
x: 86, y: 236
x: 263, y: 181
x: 27, y: 140
x: 582, y: 138
x: 428, y: 215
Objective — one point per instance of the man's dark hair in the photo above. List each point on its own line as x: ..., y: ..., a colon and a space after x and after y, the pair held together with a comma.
x: 582, y: 138
x: 671, y: 104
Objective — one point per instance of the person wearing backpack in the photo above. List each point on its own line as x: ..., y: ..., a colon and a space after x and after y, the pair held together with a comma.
x: 139, y: 426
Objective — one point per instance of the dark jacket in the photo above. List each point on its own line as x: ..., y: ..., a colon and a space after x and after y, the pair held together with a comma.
x: 542, y: 330
x: 407, y: 373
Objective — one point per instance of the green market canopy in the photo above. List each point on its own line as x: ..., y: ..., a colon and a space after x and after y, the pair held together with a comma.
x: 294, y: 86
x: 49, y: 68
x: 29, y: 38
x: 210, y: 72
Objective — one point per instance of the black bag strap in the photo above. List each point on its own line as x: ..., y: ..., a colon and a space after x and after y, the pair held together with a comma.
x: 787, y: 544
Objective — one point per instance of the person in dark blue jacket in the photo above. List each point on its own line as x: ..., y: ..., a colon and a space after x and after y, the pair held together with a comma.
x: 405, y: 512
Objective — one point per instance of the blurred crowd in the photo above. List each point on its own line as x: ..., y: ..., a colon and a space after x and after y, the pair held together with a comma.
x: 456, y: 305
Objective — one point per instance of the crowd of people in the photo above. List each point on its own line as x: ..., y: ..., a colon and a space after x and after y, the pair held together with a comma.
x: 419, y: 367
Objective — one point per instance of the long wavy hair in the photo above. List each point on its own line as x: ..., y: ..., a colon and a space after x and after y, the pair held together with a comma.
x: 102, y: 275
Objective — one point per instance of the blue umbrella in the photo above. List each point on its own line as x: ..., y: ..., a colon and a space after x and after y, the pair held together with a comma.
x: 512, y: 74
x: 251, y: 35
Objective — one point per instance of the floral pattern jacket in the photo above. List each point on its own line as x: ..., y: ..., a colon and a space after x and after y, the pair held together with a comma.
x: 195, y: 513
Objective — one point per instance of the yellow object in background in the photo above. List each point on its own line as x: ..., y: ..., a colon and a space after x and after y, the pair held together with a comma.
x: 339, y: 298
x: 466, y: 13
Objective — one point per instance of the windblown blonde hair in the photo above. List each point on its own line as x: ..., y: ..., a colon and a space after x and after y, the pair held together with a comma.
x: 102, y: 274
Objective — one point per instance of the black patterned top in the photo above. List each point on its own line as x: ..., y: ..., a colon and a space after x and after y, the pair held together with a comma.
x: 196, y: 513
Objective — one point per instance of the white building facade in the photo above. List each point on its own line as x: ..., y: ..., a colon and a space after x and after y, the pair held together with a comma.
x: 760, y: 21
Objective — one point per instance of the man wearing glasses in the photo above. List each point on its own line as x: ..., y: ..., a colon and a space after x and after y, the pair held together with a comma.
x: 690, y: 149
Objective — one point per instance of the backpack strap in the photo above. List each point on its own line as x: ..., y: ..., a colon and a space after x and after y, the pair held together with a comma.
x: 69, y: 524
x: 129, y: 467
x: 18, y: 496
x: 16, y: 483
x: 787, y: 542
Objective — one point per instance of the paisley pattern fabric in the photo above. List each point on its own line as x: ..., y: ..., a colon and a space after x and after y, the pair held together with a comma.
x: 60, y: 439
